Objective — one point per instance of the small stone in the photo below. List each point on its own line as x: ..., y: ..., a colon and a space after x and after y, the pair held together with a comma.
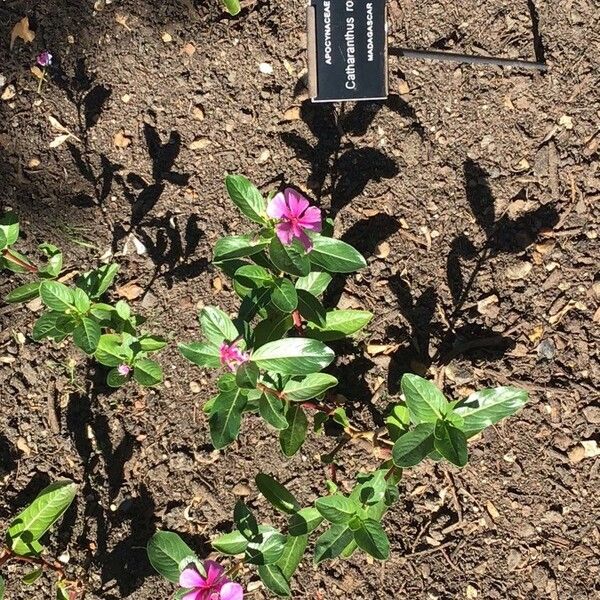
x: 492, y: 510
x: 195, y: 387
x: 265, y: 68
x: 9, y: 93
x: 166, y: 37
x: 292, y: 113
x: 488, y: 306
x: 242, y: 489
x: 33, y: 163
x: 592, y: 414
x: 471, y: 592
x: 383, y: 250
x: 263, y: 157
x: 590, y: 448
x: 198, y: 113
x: 2, y: 81
x: 576, y: 454
x: 403, y: 88
x: 520, y: 270
x: 546, y: 349
x: 125, y: 98
x: 200, y: 144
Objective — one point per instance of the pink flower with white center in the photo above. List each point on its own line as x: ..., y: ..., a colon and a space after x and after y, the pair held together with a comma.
x: 44, y: 59
x: 296, y: 216
x: 215, y: 586
x: 124, y: 370
x: 231, y: 356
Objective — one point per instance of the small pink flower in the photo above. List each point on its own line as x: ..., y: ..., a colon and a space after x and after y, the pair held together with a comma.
x: 124, y: 370
x: 44, y: 59
x: 295, y: 215
x: 215, y: 586
x: 231, y: 356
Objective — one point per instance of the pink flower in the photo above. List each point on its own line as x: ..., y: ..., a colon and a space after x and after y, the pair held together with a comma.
x: 44, y: 59
x: 295, y: 215
x: 231, y: 356
x: 215, y: 586
x: 124, y: 370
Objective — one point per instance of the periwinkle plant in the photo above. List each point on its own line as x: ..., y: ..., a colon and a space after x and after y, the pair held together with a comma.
x: 271, y: 357
x: 109, y: 333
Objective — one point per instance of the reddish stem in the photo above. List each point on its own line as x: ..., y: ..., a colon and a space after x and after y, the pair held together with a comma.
x: 8, y: 255
x: 297, y: 321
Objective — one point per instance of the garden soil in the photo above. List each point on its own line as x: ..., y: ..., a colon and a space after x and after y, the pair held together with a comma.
x: 474, y: 194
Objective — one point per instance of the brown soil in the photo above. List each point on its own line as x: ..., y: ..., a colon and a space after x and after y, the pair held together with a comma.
x: 484, y: 182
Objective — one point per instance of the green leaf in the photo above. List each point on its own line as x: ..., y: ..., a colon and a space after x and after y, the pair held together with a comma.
x: 293, y: 356
x: 486, y: 407
x: 54, y: 265
x: 284, y: 296
x: 115, y: 380
x: 451, y: 443
x: 374, y: 488
x: 371, y: 538
x: 314, y: 283
x: 412, y: 447
x: 56, y: 296
x: 217, y: 326
x: 152, y: 343
x: 245, y: 195
x: 147, y: 372
x: 112, y: 352
x: 276, y: 494
x: 270, y: 409
x: 292, y: 438
x: 233, y: 6
x: 337, y: 508
x: 247, y: 376
x: 340, y: 417
x: 24, y: 292
x: 305, y: 521
x: 230, y: 543
x: 166, y: 550
x: 31, y: 577
x: 95, y: 283
x: 398, y: 421
x: 245, y: 520
x: 81, y: 301
x: 332, y: 543
x: 293, y: 552
x: 87, y: 335
x: 31, y: 524
x: 265, y: 548
x: 340, y: 324
x: 9, y: 229
x: 299, y: 389
x: 54, y: 325
x: 335, y: 256
x: 203, y: 355
x: 274, y: 579
x: 2, y: 587
x: 425, y: 402
x: 311, y: 308
x: 226, y: 417
x: 250, y: 277
x: 272, y: 328
x: 289, y: 258
x: 123, y: 310
x: 237, y: 246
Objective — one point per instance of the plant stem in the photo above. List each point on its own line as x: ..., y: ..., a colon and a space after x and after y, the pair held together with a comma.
x: 40, y: 561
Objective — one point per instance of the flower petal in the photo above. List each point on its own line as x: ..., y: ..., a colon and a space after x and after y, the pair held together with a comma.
x: 190, y: 578
x: 214, y: 571
x: 232, y: 591
x: 311, y: 219
x: 285, y: 233
x: 305, y: 241
x: 296, y: 201
x: 194, y: 595
x: 277, y: 208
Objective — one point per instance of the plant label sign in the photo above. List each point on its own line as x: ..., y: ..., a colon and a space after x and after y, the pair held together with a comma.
x: 347, y: 50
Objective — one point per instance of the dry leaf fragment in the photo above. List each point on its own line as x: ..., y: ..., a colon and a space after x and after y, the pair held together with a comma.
x: 37, y: 72
x: 59, y: 140
x: 21, y: 30
x: 199, y: 144
x: 122, y: 20
x: 520, y: 270
x: 292, y: 113
x: 130, y: 291
x: 488, y: 306
x: 188, y: 49
x: 383, y: 250
x: 536, y: 334
x: 375, y: 349
x: 9, y: 92
x: 57, y: 125
x: 121, y: 139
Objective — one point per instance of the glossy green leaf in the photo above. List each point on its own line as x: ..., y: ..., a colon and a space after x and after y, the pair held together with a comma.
x: 284, y: 295
x: 201, y: 354
x: 24, y: 293
x: 249, y: 277
x: 166, y: 550
x: 217, y: 326
x: 81, y: 301
x: 274, y: 579
x: 311, y: 308
x: 340, y: 324
x: 31, y: 524
x: 276, y: 494
x: 87, y: 335
x: 371, y: 538
x: 293, y: 553
x: 412, y: 447
x: 451, y: 443
x: 273, y: 328
x: 315, y: 283
x: 290, y: 258
x: 293, y: 356
x: 305, y: 521
x: 230, y: 543
x: 244, y: 194
x: 265, y: 548
x: 335, y: 256
x: 398, y: 421
x: 147, y: 372
x: 292, y: 438
x: 486, y: 407
x: 226, y: 417
x: 233, y: 6
x: 238, y: 246
x: 300, y: 389
x: 54, y: 265
x: 245, y: 520
x: 337, y: 509
x: 152, y: 343
x: 54, y: 325
x: 271, y: 409
x: 247, y: 376
x: 111, y: 352
x: 425, y: 402
x: 96, y: 283
x: 332, y: 543
x: 56, y: 296
x: 114, y: 379
x: 9, y: 229
x: 31, y: 577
